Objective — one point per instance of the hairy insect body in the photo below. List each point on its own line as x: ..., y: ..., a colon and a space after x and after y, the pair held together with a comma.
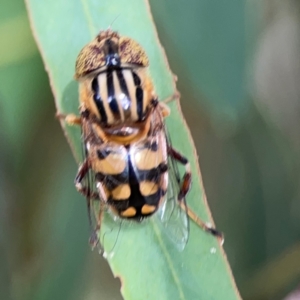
x: 127, y: 166
x: 124, y: 138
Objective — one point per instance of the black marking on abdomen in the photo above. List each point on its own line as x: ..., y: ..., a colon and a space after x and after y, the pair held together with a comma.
x: 112, y: 181
x: 120, y: 204
x: 136, y: 199
x: 154, y: 198
x: 111, y: 97
x: 153, y: 174
x: 98, y: 101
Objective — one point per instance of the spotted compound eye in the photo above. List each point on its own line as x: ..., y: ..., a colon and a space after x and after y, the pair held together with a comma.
x: 109, y: 49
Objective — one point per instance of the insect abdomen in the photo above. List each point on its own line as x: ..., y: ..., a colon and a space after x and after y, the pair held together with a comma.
x: 132, y: 187
x: 146, y: 192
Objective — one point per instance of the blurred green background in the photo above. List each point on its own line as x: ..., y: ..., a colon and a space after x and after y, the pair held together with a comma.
x: 238, y: 71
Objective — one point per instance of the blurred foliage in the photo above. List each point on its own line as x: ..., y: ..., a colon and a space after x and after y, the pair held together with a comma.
x: 248, y: 147
x: 238, y: 69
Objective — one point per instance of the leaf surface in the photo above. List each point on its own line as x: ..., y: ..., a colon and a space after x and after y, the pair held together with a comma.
x: 148, y: 264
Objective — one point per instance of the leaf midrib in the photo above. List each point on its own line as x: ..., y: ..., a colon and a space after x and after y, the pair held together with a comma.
x: 169, y: 260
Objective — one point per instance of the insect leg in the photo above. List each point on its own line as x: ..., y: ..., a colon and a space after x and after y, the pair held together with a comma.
x: 165, y: 110
x: 186, y: 182
x: 82, y: 172
x: 70, y: 119
x: 173, y: 97
x: 94, y: 239
x: 86, y: 191
x: 185, y: 187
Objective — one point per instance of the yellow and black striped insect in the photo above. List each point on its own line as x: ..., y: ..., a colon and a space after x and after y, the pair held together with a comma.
x: 128, y: 153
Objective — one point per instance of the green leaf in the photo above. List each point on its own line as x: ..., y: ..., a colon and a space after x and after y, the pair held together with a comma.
x: 148, y: 264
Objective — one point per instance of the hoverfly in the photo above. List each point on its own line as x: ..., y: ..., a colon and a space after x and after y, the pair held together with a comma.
x: 127, y: 150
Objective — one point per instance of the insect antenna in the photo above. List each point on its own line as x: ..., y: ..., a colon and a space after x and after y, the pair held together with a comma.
x: 109, y: 27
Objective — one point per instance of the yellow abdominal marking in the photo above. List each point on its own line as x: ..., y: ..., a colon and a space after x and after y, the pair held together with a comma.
x: 148, y: 209
x: 129, y: 212
x: 113, y: 164
x: 146, y: 159
x: 148, y: 188
x: 121, y: 192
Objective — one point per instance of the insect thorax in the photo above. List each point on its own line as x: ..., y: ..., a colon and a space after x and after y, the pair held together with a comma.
x: 118, y: 95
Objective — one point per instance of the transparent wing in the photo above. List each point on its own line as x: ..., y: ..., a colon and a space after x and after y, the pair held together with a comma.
x: 105, y: 158
x: 89, y: 183
x: 172, y: 214
x: 111, y: 160
x: 106, y: 232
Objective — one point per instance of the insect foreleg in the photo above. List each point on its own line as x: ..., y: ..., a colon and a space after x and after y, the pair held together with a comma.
x: 173, y: 97
x: 86, y: 191
x: 70, y: 119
